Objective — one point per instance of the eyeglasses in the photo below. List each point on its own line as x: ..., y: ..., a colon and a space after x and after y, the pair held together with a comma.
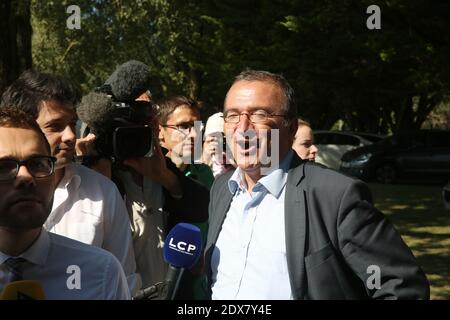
x: 184, y: 128
x: 258, y: 116
x: 39, y: 167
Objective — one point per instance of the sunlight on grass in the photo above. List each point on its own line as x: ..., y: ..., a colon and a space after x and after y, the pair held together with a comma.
x: 434, y: 230
x: 418, y: 214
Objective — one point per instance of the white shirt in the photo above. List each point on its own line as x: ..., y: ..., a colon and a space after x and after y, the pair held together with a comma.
x: 88, y: 207
x: 149, y: 224
x: 48, y: 259
x: 249, y: 259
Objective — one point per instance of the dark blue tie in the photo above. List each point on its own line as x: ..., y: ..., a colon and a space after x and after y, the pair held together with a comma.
x: 15, y: 267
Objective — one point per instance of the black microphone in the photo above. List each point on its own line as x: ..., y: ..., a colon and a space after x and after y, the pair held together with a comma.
x: 125, y: 84
x: 96, y: 109
x: 151, y: 293
x: 117, y: 120
x: 129, y: 81
x: 98, y: 112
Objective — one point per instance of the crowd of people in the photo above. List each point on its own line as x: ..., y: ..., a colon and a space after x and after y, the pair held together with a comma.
x: 275, y: 225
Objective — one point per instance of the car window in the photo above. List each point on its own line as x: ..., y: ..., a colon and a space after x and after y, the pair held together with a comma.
x: 418, y: 140
x: 370, y: 137
x: 343, y: 139
x: 439, y: 139
x: 321, y: 138
x: 336, y: 139
x: 408, y: 140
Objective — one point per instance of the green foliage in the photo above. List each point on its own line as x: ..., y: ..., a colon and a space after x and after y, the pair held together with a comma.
x: 374, y: 80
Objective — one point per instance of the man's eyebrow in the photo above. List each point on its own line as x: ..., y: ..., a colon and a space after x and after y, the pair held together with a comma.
x: 249, y: 108
x: 53, y: 121
x: 33, y: 155
x: 59, y: 120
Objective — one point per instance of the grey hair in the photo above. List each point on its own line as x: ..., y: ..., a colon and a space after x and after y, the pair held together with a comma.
x: 289, y: 108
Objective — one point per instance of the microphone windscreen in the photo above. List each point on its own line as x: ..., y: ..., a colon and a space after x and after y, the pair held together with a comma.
x: 23, y: 290
x: 183, y: 246
x: 95, y: 109
x: 129, y: 81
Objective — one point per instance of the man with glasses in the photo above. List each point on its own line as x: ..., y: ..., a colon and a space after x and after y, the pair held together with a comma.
x: 180, y: 133
x: 27, y: 250
x: 87, y: 206
x: 284, y: 228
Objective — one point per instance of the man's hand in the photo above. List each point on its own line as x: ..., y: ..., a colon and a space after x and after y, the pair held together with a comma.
x: 156, y: 169
x: 85, y: 146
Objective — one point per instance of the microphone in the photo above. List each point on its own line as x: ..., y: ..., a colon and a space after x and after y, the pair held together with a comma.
x: 182, y: 249
x: 96, y: 109
x: 150, y: 293
x: 23, y: 290
x: 117, y: 120
x: 129, y: 81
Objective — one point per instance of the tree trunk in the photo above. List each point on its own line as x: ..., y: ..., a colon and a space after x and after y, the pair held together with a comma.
x: 15, y: 40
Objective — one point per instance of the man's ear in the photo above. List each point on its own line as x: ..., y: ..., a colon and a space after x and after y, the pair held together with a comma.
x: 161, y: 135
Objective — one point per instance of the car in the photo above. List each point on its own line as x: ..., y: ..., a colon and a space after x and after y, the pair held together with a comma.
x: 333, y: 144
x: 421, y: 154
x: 372, y: 137
x: 446, y: 196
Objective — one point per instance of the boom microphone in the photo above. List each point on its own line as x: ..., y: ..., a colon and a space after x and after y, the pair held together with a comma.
x: 96, y: 109
x: 129, y: 81
x: 23, y: 290
x: 115, y: 118
x: 125, y: 84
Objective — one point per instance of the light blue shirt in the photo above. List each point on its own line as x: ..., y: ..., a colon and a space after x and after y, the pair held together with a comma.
x: 57, y: 263
x: 249, y: 259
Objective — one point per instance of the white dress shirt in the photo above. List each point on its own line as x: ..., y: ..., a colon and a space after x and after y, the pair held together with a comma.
x: 48, y: 262
x: 88, y: 207
x: 249, y: 259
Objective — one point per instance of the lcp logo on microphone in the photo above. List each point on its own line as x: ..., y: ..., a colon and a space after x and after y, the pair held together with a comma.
x: 182, y: 246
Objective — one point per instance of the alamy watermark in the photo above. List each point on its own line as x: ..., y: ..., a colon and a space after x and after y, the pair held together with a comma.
x: 74, y: 280
x: 74, y: 20
x: 374, y: 20
x: 374, y: 280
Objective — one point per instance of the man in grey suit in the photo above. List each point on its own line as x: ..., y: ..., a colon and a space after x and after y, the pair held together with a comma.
x: 283, y: 228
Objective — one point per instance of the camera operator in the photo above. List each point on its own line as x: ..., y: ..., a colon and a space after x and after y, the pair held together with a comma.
x: 157, y: 195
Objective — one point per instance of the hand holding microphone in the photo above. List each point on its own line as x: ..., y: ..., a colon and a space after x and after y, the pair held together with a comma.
x: 182, y: 249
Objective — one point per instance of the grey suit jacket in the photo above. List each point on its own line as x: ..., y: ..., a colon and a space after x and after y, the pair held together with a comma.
x: 334, y: 235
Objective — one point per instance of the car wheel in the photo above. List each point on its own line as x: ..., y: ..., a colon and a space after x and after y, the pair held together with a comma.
x: 386, y: 173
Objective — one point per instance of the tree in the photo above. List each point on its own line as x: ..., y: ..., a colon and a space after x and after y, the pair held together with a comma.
x: 15, y: 40
x: 374, y: 80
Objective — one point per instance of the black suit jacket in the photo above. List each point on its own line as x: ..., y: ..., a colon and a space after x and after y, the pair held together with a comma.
x: 333, y: 235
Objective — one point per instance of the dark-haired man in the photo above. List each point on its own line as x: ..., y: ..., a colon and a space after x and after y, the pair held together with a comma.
x: 290, y: 229
x: 177, y: 116
x: 87, y: 206
x: 28, y: 251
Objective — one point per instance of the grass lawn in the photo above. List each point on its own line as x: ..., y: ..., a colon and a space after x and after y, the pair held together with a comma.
x: 418, y: 213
